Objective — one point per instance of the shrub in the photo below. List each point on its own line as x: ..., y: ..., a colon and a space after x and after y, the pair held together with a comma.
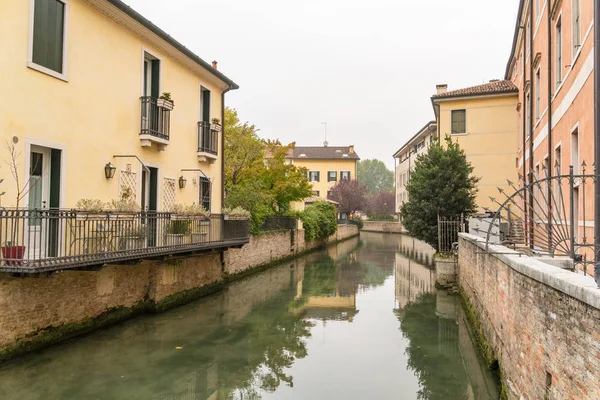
x: 359, y: 222
x: 319, y: 220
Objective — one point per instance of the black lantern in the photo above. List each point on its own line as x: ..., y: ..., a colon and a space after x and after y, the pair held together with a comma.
x: 182, y: 182
x: 109, y: 170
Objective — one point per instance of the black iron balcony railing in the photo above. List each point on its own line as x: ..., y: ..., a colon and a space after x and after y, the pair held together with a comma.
x: 278, y: 223
x: 156, y: 120
x: 50, y: 240
x: 208, y: 139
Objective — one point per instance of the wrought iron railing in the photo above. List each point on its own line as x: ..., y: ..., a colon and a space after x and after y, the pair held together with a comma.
x: 156, y: 120
x: 52, y: 239
x: 548, y: 216
x: 278, y: 223
x: 208, y: 139
x: 347, y: 222
x: 448, y: 230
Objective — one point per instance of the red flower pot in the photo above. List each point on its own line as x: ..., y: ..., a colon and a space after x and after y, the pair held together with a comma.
x: 13, y: 255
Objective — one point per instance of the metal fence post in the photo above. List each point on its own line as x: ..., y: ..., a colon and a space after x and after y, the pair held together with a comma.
x: 439, y: 234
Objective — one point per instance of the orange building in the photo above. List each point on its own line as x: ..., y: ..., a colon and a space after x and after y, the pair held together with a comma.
x: 552, y: 65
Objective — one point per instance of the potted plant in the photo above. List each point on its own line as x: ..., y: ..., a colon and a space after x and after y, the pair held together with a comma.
x: 90, y: 209
x: 215, y: 125
x: 201, y: 222
x: 165, y: 101
x: 134, y: 237
x: 177, y: 230
x: 126, y: 208
x: 235, y: 223
x: 237, y: 213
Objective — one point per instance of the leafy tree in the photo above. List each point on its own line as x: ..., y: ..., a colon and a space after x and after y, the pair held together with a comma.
x: 375, y: 175
x: 319, y: 220
x: 283, y: 180
x: 382, y: 204
x: 244, y: 150
x: 351, y: 195
x: 253, y: 197
x: 441, y: 184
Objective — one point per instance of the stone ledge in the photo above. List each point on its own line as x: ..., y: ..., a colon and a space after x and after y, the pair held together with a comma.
x: 581, y: 287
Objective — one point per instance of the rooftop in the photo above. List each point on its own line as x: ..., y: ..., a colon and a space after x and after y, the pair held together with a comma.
x: 431, y: 125
x: 493, y: 87
x: 324, y: 153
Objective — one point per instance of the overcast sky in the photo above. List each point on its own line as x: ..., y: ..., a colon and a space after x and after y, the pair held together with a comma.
x: 367, y: 68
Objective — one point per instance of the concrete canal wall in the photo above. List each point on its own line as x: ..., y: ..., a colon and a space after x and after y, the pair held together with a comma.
x: 540, y: 322
x: 40, y: 310
x: 383, y: 227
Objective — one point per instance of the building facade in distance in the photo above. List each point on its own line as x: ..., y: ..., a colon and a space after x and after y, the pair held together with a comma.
x: 326, y: 165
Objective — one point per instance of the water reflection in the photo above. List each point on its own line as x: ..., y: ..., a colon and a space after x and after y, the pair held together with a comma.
x: 324, y: 326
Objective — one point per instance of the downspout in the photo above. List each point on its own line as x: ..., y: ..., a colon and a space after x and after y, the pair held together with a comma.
x: 531, y: 108
x: 596, y: 142
x: 230, y: 87
x: 524, y: 116
x: 549, y: 113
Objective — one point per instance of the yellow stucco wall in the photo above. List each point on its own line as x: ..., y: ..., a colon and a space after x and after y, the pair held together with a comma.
x: 323, y: 166
x: 96, y: 114
x: 491, y: 141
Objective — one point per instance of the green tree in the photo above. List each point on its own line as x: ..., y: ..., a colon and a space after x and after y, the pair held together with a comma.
x: 253, y: 197
x: 375, y: 176
x: 443, y: 184
x: 319, y: 220
x: 351, y: 196
x: 244, y: 150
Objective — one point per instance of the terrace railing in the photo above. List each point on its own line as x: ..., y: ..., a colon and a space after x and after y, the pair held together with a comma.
x: 278, y: 223
x: 52, y: 239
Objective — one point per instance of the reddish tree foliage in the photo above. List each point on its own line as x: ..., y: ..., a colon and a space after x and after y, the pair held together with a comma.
x: 382, y: 204
x: 351, y: 195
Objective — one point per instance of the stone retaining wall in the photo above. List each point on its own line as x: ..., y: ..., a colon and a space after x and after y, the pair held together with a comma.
x: 383, y: 227
x: 40, y: 310
x: 540, y: 322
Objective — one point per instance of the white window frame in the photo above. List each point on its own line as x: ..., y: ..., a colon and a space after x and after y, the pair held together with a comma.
x: 538, y: 94
x: 310, y: 176
x: 40, y: 68
x: 145, y: 51
x: 558, y: 66
x: 527, y: 114
x: 466, y: 125
x: 576, y: 29
x: 576, y: 163
x: 342, y: 175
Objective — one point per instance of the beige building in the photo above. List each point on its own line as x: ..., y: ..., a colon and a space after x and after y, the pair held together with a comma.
x: 405, y: 159
x: 483, y: 121
x: 104, y: 105
x: 326, y: 165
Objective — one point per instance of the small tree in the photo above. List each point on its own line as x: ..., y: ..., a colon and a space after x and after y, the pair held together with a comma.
x: 351, y: 195
x: 319, y: 220
x: 441, y: 184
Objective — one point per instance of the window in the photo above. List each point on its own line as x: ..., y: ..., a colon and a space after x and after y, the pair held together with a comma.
x: 313, y: 176
x: 329, y: 194
x: 558, y: 53
x: 315, y: 193
x: 204, y: 198
x: 151, y: 76
x: 420, y: 146
x: 47, y: 37
x: 576, y: 12
x: 528, y: 37
x: 557, y: 193
x: 575, y: 150
x: 345, y: 175
x: 527, y: 116
x: 459, y: 121
x: 538, y: 8
x: 332, y: 176
x: 538, y: 91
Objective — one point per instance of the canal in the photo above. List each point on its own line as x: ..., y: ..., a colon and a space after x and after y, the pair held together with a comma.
x: 360, y: 320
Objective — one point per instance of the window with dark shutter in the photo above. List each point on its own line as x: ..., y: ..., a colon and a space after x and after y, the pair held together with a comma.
x: 205, y: 187
x: 459, y: 121
x: 332, y: 176
x: 345, y: 175
x: 48, y: 34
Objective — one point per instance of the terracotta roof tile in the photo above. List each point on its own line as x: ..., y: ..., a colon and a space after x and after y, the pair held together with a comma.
x: 323, y: 153
x: 496, y: 87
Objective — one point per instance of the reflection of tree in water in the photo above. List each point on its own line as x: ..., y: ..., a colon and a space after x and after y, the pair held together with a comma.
x: 433, y: 352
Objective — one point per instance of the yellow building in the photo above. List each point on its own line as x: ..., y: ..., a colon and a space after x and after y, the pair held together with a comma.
x: 83, y: 82
x: 84, y: 114
x: 482, y: 119
x: 326, y: 165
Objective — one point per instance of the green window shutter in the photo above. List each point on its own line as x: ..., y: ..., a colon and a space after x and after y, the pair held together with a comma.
x: 48, y: 34
x: 155, y: 89
x: 206, y: 105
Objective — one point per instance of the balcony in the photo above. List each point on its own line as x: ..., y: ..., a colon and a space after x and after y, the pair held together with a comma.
x: 208, y: 142
x: 156, y: 123
x: 35, y: 241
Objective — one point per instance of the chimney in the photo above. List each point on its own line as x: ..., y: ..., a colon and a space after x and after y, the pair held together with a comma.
x: 214, y: 63
x: 494, y: 80
x: 351, y: 149
x: 443, y: 88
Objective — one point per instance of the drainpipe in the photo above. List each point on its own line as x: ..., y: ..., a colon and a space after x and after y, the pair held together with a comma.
x: 230, y: 87
x: 549, y: 112
x: 597, y: 141
x: 524, y: 116
x: 531, y: 94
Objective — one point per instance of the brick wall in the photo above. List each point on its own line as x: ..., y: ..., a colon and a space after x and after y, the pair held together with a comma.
x: 261, y: 250
x: 542, y: 323
x: 383, y: 227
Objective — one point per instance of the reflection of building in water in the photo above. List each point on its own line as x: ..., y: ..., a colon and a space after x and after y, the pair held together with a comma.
x: 201, y: 384
x: 412, y: 280
x: 337, y: 307
x: 417, y: 250
x: 446, y: 308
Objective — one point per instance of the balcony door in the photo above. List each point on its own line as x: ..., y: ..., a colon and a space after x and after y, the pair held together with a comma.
x: 150, y: 203
x: 151, y: 71
x: 43, y: 190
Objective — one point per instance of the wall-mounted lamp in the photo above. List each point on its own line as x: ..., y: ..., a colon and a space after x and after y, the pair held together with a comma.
x: 182, y: 182
x: 109, y: 170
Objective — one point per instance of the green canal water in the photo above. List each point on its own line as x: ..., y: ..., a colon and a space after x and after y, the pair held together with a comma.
x: 360, y: 320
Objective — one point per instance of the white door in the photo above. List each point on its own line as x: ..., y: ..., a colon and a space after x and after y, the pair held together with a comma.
x: 38, y: 189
